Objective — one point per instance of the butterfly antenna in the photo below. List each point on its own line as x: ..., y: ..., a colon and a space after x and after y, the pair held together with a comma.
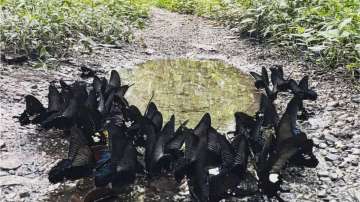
x: 151, y: 98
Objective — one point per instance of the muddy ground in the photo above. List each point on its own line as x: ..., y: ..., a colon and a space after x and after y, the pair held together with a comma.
x: 27, y: 154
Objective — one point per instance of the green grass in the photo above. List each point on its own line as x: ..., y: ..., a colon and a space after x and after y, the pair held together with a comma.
x: 326, y: 32
x: 200, y: 7
x: 43, y: 29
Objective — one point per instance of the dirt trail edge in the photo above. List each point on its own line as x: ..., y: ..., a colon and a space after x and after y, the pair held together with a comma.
x: 27, y: 154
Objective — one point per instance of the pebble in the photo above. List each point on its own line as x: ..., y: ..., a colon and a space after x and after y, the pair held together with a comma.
x: 322, y: 193
x: 323, y: 173
x: 322, y: 145
x: 331, y: 157
x: 149, y: 51
x: 24, y: 194
x: 14, y: 180
x: 205, y: 47
x: 333, y: 104
x: 333, y: 176
x: 339, y: 145
x: 2, y: 144
x: 354, y: 162
x: 355, y: 98
x: 3, y: 173
x: 10, y: 164
x: 355, y: 151
x: 342, y: 117
x: 339, y: 123
x: 333, y: 150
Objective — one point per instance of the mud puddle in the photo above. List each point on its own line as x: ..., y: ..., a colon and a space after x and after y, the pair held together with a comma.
x: 189, y: 88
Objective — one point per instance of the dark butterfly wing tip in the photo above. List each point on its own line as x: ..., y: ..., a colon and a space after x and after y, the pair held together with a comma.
x: 152, y: 106
x: 172, y: 117
x: 114, y: 72
x: 31, y: 98
x: 255, y: 75
x: 150, y: 110
x: 206, y: 119
x: 203, y: 125
x: 157, y: 119
x: 172, y: 120
x: 304, y: 83
x: 115, y: 78
x: 240, y: 114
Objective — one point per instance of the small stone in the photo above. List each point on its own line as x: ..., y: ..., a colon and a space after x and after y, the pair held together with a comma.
x: 342, y: 117
x: 10, y: 164
x: 3, y: 173
x: 2, y: 144
x: 323, y: 173
x: 339, y: 123
x: 333, y: 176
x: 339, y: 145
x: 333, y: 150
x: 333, y: 104
x: 205, y: 47
x: 322, y: 145
x: 350, y: 119
x: 34, y: 87
x: 331, y: 157
x: 24, y: 194
x: 149, y: 51
x: 355, y: 151
x: 356, y: 98
x: 352, y: 159
x: 354, y: 162
x: 15, y: 180
x: 322, y: 193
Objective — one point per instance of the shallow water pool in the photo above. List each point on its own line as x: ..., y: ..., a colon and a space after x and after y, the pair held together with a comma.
x: 189, y: 88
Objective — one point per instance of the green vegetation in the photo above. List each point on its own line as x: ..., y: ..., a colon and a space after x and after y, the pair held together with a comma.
x: 324, y: 31
x: 44, y: 29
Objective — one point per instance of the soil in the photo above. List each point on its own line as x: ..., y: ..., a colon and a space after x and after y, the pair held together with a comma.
x: 27, y: 153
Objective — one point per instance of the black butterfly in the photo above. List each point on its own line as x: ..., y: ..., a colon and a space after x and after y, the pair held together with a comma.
x: 79, y: 163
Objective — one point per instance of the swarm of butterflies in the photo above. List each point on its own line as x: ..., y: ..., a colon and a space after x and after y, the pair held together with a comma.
x: 113, y: 142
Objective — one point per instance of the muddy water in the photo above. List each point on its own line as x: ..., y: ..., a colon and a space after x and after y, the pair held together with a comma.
x: 189, y: 88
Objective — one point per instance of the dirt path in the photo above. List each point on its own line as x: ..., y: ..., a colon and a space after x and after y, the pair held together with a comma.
x: 335, y: 128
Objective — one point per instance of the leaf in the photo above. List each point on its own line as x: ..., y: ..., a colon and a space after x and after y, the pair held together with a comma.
x: 345, y: 34
x: 317, y: 48
x: 247, y: 20
x: 357, y: 48
x: 345, y: 22
x: 330, y: 34
x: 266, y: 32
x: 43, y: 52
x: 306, y: 35
x: 283, y: 4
